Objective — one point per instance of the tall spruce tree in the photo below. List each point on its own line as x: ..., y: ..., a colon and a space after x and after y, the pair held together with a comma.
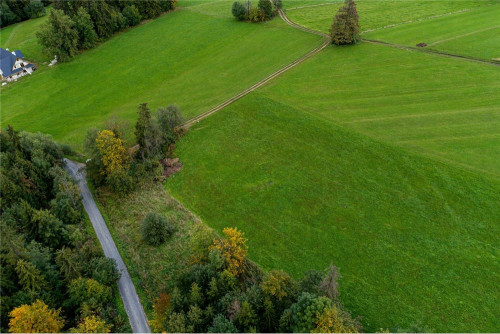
x: 345, y: 26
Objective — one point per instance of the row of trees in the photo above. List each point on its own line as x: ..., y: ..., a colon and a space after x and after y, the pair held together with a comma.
x: 13, y: 11
x: 54, y: 277
x: 114, y: 164
x: 223, y: 292
x: 80, y: 24
x: 265, y: 10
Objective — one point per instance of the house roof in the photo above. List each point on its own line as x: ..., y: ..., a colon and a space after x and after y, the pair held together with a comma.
x: 7, y: 61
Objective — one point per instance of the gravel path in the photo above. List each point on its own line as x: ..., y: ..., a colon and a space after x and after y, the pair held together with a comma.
x: 133, y: 307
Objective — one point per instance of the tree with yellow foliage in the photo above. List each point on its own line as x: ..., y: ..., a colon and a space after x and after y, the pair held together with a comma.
x: 335, y: 320
x: 233, y: 249
x: 35, y: 318
x: 92, y: 324
x: 113, y: 152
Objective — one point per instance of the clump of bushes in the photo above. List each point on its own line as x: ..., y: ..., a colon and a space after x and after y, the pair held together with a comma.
x: 265, y: 10
x: 345, y: 26
x: 156, y: 229
x: 120, y: 168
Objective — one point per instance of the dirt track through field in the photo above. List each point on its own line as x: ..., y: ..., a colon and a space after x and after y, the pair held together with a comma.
x: 261, y: 83
x: 432, y: 52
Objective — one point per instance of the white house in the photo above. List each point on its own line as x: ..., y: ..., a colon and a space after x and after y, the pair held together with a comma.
x: 13, y: 66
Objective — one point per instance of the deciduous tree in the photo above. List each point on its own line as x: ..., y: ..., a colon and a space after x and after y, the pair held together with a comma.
x: 113, y: 152
x: 35, y: 318
x: 87, y: 36
x: 233, y: 249
x: 58, y: 36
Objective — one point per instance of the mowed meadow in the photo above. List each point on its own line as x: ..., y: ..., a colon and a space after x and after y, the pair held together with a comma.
x: 380, y: 160
x: 188, y: 58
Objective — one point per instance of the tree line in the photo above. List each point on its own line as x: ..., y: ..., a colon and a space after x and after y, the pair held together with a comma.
x: 224, y: 292
x: 80, y: 24
x: 13, y: 11
x: 54, y: 276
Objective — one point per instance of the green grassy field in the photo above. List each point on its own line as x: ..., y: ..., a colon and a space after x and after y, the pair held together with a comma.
x: 375, y: 14
x: 319, y: 171
x: 444, y: 108
x: 415, y: 240
x: 21, y: 36
x: 185, y: 58
x: 475, y: 33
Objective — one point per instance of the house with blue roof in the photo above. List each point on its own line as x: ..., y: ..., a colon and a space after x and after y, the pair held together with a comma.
x: 13, y: 65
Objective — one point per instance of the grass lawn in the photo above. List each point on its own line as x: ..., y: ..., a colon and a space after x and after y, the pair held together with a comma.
x: 475, y: 33
x: 375, y: 14
x: 185, y: 58
x: 21, y: 36
x: 415, y: 240
x: 444, y: 108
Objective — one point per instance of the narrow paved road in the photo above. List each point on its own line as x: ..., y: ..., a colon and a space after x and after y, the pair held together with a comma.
x: 131, y: 301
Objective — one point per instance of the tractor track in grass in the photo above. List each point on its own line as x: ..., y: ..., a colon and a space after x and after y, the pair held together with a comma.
x: 325, y: 42
x: 432, y: 52
x: 270, y: 77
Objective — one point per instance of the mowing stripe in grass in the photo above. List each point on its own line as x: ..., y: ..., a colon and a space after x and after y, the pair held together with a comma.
x: 463, y: 35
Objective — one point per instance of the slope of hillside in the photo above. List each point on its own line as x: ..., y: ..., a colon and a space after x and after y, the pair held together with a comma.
x: 415, y: 240
x: 185, y: 58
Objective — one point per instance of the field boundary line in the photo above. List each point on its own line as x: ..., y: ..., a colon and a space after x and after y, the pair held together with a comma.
x: 264, y: 81
x: 432, y: 52
x: 317, y: 5
x: 463, y: 35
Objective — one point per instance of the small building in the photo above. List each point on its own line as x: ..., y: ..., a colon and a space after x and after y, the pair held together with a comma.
x: 13, y: 65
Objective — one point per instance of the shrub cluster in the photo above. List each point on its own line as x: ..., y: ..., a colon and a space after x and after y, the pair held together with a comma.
x: 223, y: 292
x: 79, y: 25
x: 13, y: 11
x: 265, y: 10
x: 54, y: 276
x: 156, y: 229
x: 112, y: 163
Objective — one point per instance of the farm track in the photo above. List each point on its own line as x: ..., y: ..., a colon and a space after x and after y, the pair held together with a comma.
x: 326, y: 41
x: 261, y: 83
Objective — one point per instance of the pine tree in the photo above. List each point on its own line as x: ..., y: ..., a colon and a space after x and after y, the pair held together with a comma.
x: 345, y: 27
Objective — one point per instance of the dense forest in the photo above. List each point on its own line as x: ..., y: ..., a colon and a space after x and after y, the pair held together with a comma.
x: 54, y: 276
x: 13, y: 11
